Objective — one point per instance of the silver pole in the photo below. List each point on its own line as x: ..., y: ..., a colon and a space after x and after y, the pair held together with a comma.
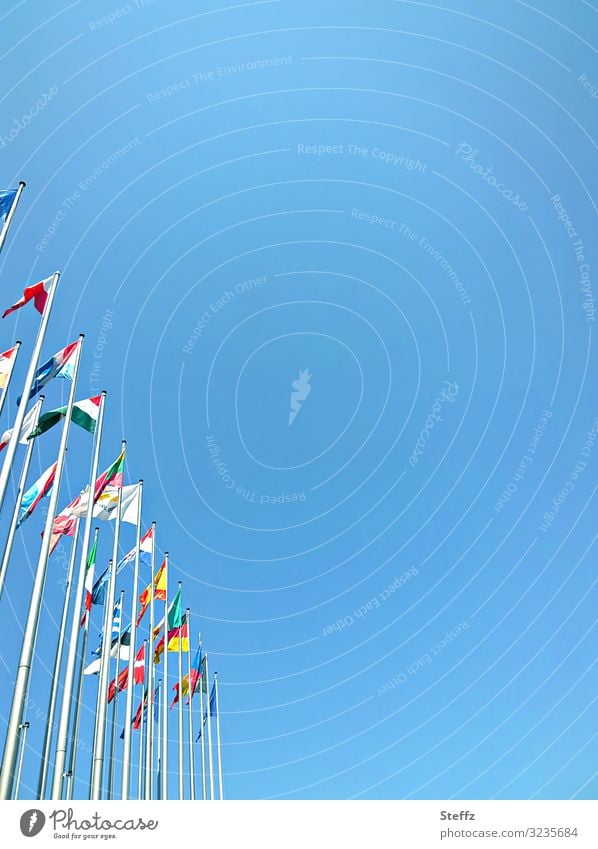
x: 165, y: 694
x: 13, y: 361
x: 20, y: 490
x: 114, y: 713
x: 149, y: 744
x: 11, y: 213
x: 100, y: 729
x: 69, y: 675
x: 50, y: 713
x: 190, y: 719
x: 11, y: 448
x: 159, y: 744
x: 209, y: 721
x: 78, y: 695
x: 27, y: 647
x: 126, y: 770
x: 181, y: 758
x: 140, y: 776
x: 202, y: 727
x: 24, y: 729
x: 218, y: 737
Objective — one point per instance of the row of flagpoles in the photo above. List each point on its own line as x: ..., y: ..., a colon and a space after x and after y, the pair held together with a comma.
x: 134, y: 650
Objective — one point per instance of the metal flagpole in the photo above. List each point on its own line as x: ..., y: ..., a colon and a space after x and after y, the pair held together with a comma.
x: 159, y: 744
x: 11, y: 213
x: 49, y: 730
x: 17, y: 508
x: 149, y: 744
x: 140, y: 775
x: 114, y: 712
x: 77, y: 695
x: 13, y: 361
x: 165, y: 693
x: 202, y: 730
x: 27, y: 647
x: 218, y: 737
x: 101, y: 691
x: 210, y: 764
x: 69, y: 675
x: 11, y: 448
x: 190, y: 719
x: 126, y: 770
x: 181, y: 757
x: 24, y: 729
x: 100, y: 729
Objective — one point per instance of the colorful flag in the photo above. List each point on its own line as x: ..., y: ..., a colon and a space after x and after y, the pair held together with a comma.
x: 106, y: 504
x: 121, y: 648
x: 85, y: 414
x: 159, y: 591
x: 145, y: 552
x: 27, y: 427
x: 123, y: 677
x: 60, y: 365
x: 175, y: 616
x: 116, y: 620
x: 35, y: 493
x: 190, y: 680
x: 6, y: 361
x: 36, y: 292
x: 113, y: 476
x: 89, y: 573
x: 65, y: 523
x: 159, y: 647
x: 7, y: 198
x: 181, y: 635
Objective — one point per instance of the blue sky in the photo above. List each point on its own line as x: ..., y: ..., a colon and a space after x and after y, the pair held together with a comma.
x: 375, y: 194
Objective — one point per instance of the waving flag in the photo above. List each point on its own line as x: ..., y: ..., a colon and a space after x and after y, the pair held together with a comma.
x: 113, y: 476
x: 35, y: 494
x: 180, y: 635
x: 36, y: 292
x: 7, y: 198
x: 159, y: 591
x: 123, y: 677
x: 175, y: 616
x: 145, y: 552
x: 6, y: 363
x: 189, y: 682
x: 64, y: 524
x: 85, y: 414
x: 26, y: 429
x: 89, y: 573
x: 56, y: 366
x: 121, y: 648
x: 106, y: 504
x: 116, y: 620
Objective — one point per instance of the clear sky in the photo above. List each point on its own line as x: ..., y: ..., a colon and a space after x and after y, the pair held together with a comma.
x: 397, y: 587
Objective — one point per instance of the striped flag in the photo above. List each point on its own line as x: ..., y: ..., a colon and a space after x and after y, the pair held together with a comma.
x: 36, y: 292
x: 89, y: 573
x: 27, y: 427
x: 59, y: 365
x: 85, y: 414
x: 6, y: 363
x: 35, y: 493
x: 159, y: 591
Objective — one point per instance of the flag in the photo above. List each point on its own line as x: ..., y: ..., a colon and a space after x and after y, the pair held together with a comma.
x: 36, y: 292
x: 159, y: 591
x: 159, y: 647
x: 7, y: 198
x: 145, y: 552
x: 175, y: 616
x: 123, y: 677
x: 213, y: 700
x: 85, y: 414
x: 181, y: 635
x: 89, y: 573
x: 65, y: 522
x: 190, y: 680
x: 58, y: 365
x: 113, y: 476
x: 107, y: 502
x: 26, y: 428
x: 6, y: 361
x: 35, y: 493
x: 116, y: 620
x: 121, y: 648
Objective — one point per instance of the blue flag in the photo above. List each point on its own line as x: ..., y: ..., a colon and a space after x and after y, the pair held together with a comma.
x: 213, y: 700
x: 6, y: 201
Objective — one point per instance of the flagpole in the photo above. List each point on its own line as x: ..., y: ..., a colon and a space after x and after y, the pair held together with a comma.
x: 210, y: 763
x: 142, y: 721
x: 159, y: 742
x: 72, y: 761
x: 9, y: 217
x: 202, y: 733
x: 181, y: 758
x: 13, y: 361
x: 218, y: 737
x: 190, y: 720
x: 110, y: 794
x: 150, y: 679
x: 16, y: 510
x: 100, y: 736
x: 24, y: 729
x: 28, y: 644
x: 11, y: 448
x: 165, y: 694
x: 69, y: 675
x: 126, y: 770
x: 49, y: 730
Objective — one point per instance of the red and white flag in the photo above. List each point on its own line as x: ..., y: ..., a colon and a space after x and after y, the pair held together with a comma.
x: 37, y: 292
